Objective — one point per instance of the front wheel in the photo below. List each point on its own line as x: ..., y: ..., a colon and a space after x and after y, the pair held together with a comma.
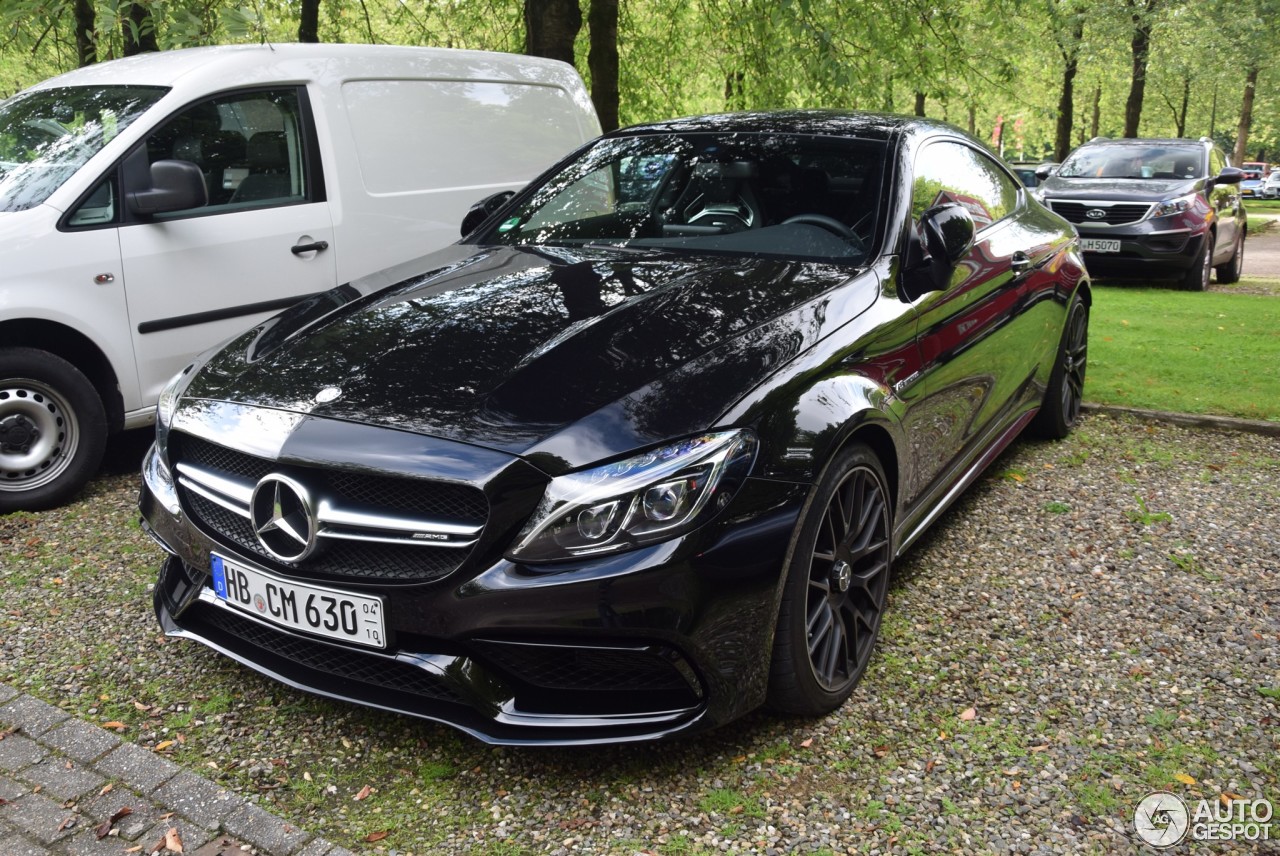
x: 836, y: 586
x: 1230, y: 270
x: 53, y: 430
x: 1197, y: 276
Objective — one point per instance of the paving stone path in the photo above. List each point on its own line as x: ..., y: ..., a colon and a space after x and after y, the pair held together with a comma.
x: 61, y: 779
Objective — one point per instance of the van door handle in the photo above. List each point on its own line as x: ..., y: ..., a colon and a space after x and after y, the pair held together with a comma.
x: 313, y: 247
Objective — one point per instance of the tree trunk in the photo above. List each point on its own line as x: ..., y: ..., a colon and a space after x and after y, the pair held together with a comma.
x: 919, y: 103
x: 734, y: 96
x: 973, y: 118
x: 1182, y: 113
x: 309, y: 22
x: 1140, y: 47
x: 1066, y: 100
x: 139, y: 30
x: 1097, y: 112
x: 86, y: 46
x: 550, y: 27
x: 603, y: 61
x: 1246, y: 115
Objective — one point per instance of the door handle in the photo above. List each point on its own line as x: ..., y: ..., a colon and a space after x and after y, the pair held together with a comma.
x: 313, y: 247
x: 1020, y: 262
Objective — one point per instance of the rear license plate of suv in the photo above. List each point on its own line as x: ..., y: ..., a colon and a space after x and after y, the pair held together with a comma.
x: 323, y: 611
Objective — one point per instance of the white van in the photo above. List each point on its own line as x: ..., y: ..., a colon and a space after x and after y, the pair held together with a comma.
x: 153, y: 206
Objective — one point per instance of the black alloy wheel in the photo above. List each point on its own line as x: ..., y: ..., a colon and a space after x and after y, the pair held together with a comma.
x: 1062, y: 398
x: 836, y: 587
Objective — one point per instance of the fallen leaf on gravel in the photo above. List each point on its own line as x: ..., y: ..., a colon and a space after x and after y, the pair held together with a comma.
x: 163, y: 745
x: 968, y: 714
x: 1043, y: 747
x: 106, y: 789
x: 377, y: 836
x: 1228, y: 798
x: 116, y: 724
x: 1184, y: 778
x: 172, y: 840
x: 68, y: 766
x: 928, y: 768
x: 364, y: 793
x: 880, y: 751
x: 806, y: 743
x: 306, y: 775
x: 102, y: 830
x: 134, y: 849
x: 140, y: 706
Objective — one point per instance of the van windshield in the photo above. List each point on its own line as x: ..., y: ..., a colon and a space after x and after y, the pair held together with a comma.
x: 48, y: 134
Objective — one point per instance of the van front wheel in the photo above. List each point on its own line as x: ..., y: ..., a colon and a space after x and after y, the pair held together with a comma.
x: 53, y: 430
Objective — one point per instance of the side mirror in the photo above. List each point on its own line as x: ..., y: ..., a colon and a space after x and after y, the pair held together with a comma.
x: 941, y: 238
x: 482, y: 210
x: 1229, y: 175
x: 175, y: 185
x: 1045, y: 170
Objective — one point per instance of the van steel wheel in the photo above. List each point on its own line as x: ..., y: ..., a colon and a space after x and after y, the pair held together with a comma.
x: 837, y: 582
x: 52, y: 429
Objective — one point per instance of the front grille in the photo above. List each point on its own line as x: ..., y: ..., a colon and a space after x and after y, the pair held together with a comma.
x: 398, y: 557
x: 367, y: 668
x: 1117, y: 214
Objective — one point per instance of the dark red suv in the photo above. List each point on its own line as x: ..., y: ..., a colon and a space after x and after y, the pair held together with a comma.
x: 1152, y: 209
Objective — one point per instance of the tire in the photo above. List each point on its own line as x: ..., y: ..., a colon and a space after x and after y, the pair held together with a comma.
x: 53, y: 430
x: 1230, y: 270
x: 837, y: 582
x: 1060, y: 409
x: 1197, y: 276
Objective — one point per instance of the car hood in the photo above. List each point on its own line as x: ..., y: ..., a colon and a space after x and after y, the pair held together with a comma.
x: 563, y: 356
x: 1120, y: 189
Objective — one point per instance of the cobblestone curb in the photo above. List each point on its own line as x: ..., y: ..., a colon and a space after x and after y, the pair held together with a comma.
x: 62, y: 778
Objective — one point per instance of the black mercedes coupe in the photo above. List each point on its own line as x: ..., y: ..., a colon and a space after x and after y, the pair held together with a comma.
x: 637, y: 455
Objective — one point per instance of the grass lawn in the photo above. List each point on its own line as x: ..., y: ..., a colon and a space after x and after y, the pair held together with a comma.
x: 1193, y: 352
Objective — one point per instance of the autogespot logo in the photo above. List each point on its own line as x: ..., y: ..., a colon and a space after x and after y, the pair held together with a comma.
x: 1163, y: 820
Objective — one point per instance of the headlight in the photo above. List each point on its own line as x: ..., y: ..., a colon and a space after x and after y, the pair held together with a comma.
x: 168, y: 401
x: 650, y: 497
x: 1175, y: 206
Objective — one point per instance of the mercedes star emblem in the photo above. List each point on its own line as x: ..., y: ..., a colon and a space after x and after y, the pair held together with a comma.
x: 283, y: 518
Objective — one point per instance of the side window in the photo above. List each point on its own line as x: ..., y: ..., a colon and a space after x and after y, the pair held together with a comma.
x: 593, y: 195
x: 1216, y: 162
x: 249, y: 147
x: 951, y: 172
x: 99, y: 207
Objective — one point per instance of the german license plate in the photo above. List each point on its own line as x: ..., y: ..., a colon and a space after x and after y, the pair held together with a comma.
x: 1100, y: 245
x: 323, y: 611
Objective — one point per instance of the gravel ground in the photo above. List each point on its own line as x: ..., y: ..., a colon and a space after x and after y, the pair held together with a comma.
x: 1095, y: 620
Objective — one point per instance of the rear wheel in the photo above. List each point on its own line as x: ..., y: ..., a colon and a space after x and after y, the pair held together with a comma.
x: 1230, y: 270
x: 53, y: 429
x: 836, y: 587
x: 1060, y: 409
x: 1197, y: 276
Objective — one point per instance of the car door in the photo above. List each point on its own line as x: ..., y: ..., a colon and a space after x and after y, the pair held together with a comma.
x: 196, y: 277
x: 977, y: 361
x: 1225, y: 201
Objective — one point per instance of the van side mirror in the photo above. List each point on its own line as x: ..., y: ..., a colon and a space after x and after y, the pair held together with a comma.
x: 175, y: 186
x: 482, y: 209
x: 940, y: 239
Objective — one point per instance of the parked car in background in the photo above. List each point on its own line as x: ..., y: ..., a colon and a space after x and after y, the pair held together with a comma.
x: 1271, y: 186
x: 1027, y: 171
x: 1252, y: 183
x: 639, y: 453
x: 1153, y: 209
x: 153, y: 206
x: 1260, y: 167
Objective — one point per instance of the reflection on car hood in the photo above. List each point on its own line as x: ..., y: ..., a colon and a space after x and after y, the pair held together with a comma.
x: 1120, y: 189
x: 567, y: 355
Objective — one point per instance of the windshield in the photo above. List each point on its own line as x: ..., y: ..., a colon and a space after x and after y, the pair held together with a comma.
x: 46, y: 135
x: 1126, y: 160
x: 785, y: 195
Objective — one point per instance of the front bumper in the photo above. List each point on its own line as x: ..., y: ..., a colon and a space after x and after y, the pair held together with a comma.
x: 1144, y: 252
x: 663, y: 640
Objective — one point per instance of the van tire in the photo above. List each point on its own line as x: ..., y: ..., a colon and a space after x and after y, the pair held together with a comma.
x: 53, y: 430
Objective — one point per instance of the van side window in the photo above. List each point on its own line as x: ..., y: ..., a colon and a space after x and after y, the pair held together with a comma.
x: 249, y: 147
x: 99, y: 207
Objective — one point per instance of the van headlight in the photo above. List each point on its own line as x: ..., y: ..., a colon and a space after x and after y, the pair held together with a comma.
x: 1175, y: 206
x: 646, y: 498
